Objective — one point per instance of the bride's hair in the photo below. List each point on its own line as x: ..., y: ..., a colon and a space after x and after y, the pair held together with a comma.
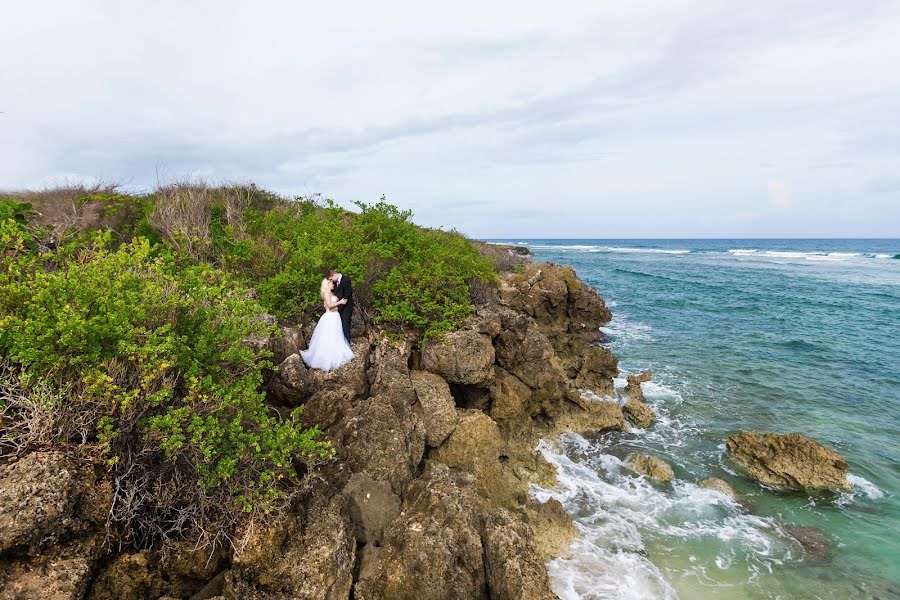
x: 324, y: 288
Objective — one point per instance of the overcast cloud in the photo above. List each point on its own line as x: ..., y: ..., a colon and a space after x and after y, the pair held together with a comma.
x: 675, y: 118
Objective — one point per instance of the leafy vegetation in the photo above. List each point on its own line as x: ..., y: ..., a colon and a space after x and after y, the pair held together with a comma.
x: 126, y: 328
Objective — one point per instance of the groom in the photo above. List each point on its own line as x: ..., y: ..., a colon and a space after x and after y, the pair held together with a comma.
x: 343, y: 289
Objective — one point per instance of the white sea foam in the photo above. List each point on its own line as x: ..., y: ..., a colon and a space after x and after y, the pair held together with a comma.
x: 612, y: 249
x: 623, y: 331
x: 861, y: 487
x: 616, y: 510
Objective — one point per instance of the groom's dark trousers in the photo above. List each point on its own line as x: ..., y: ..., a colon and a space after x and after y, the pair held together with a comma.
x: 344, y: 289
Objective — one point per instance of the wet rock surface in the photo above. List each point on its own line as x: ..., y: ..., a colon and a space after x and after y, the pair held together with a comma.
x: 789, y: 461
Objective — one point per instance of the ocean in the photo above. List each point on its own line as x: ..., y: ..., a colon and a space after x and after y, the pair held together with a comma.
x: 773, y: 335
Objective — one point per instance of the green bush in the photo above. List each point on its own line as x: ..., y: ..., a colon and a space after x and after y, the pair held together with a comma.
x: 154, y: 354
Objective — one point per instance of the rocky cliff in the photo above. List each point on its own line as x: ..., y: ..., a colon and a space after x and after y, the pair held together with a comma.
x: 427, y: 497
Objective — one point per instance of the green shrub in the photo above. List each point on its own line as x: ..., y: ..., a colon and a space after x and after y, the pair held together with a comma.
x: 152, y: 355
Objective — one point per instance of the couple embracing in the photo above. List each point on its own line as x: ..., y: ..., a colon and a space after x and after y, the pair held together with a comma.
x: 329, y: 347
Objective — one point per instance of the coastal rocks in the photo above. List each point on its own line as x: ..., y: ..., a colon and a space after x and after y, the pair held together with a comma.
x: 308, y: 553
x: 813, y: 541
x: 45, y: 497
x: 462, y: 357
x: 514, y: 569
x: 790, y: 461
x: 438, y: 407
x: 433, y: 549
x: 509, y: 396
x: 719, y: 485
x: 530, y: 357
x: 384, y: 439
x: 655, y: 468
x: 635, y: 407
x: 390, y: 373
x: 372, y: 506
x: 476, y: 440
x: 61, y: 572
x: 291, y: 382
x: 598, y: 367
x: 589, y: 413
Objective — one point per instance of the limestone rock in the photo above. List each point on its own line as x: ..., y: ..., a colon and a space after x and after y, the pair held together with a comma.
x: 714, y: 483
x: 291, y: 383
x: 433, y: 549
x: 790, y: 461
x: 515, y: 571
x: 60, y: 572
x: 464, y: 357
x: 308, y: 553
x: 590, y: 413
x: 438, y: 407
x: 46, y: 496
x: 476, y: 438
x: 653, y: 467
x: 530, y: 357
x: 290, y: 341
x: 813, y: 541
x: 509, y: 396
x: 391, y: 372
x: 635, y: 407
x: 352, y: 375
x: 384, y: 440
x: 372, y: 506
x: 599, y: 367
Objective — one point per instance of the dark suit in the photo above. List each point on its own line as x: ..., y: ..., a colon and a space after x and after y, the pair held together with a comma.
x: 344, y: 289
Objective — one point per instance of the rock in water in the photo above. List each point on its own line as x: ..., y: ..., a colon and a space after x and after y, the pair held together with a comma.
x: 814, y: 542
x: 653, y: 467
x: 790, y: 461
x: 714, y: 483
x: 635, y: 407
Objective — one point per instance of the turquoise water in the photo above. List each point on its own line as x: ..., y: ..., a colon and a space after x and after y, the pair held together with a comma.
x: 776, y: 335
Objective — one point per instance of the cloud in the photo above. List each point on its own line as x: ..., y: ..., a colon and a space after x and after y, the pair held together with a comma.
x: 780, y: 195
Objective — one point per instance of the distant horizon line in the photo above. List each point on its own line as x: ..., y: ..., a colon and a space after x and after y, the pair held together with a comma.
x: 890, y: 239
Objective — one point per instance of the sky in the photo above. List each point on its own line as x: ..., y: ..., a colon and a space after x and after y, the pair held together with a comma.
x: 598, y: 119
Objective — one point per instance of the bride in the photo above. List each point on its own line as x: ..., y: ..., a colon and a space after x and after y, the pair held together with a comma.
x: 328, y: 348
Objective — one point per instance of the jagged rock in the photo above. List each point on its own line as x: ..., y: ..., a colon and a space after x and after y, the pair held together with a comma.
x: 653, y: 467
x: 391, y: 373
x: 351, y: 375
x: 531, y: 358
x: 291, y: 383
x: 509, y: 396
x: 308, y: 553
x: 814, y: 542
x: 590, y: 414
x: 129, y: 575
x: 433, y: 549
x: 599, y: 367
x: 514, y: 568
x: 60, y: 572
x: 635, y: 407
x: 714, y: 483
x: 552, y: 526
x: 291, y: 341
x: 790, y: 461
x: 385, y: 443
x: 46, y: 496
x: 476, y: 439
x: 464, y: 357
x: 372, y: 506
x: 485, y: 321
x: 438, y: 407
x: 328, y: 409
x: 185, y: 559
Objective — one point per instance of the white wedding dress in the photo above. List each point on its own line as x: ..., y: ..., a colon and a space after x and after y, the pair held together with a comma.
x: 328, y: 348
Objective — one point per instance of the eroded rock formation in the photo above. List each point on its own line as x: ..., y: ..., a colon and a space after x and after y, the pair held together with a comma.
x: 790, y: 461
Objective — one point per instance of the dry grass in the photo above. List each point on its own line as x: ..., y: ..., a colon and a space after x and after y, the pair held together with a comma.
x: 63, y: 208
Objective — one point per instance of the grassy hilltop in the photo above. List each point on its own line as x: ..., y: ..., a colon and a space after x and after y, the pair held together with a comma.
x: 124, y: 322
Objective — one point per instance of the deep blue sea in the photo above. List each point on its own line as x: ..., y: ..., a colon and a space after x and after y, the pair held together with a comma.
x: 773, y: 335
